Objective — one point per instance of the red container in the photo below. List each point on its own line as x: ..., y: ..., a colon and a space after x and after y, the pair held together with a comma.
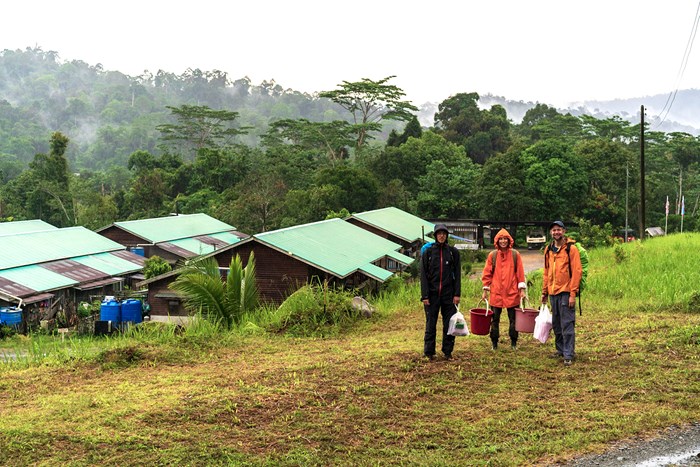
x: 480, y: 321
x: 525, y: 319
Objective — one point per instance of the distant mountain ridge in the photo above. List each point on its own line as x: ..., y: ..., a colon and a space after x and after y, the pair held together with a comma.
x: 683, y: 116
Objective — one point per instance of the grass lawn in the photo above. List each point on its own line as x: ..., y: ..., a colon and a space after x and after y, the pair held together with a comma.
x: 364, y: 398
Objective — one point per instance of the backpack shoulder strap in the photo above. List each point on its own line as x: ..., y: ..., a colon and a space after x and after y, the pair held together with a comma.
x: 493, y: 261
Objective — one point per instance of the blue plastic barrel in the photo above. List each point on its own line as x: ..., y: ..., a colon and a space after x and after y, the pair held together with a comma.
x: 11, y: 316
x: 132, y: 311
x: 110, y: 310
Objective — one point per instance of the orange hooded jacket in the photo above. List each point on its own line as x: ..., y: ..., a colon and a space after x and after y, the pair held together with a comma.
x: 506, y: 280
x: 556, y: 278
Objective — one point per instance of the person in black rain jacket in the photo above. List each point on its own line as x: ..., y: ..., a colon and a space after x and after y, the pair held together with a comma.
x: 440, y: 283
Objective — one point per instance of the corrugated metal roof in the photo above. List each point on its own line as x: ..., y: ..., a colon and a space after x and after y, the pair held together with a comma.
x: 230, y: 237
x: 399, y: 223
x: 400, y: 257
x: 203, y: 244
x: 109, y: 263
x: 13, y: 288
x: 130, y: 257
x: 376, y: 272
x: 51, y: 245
x: 38, y: 278
x: 74, y: 270
x: 333, y: 245
x: 176, y: 250
x: 15, y: 227
x: 163, y: 229
x: 98, y: 284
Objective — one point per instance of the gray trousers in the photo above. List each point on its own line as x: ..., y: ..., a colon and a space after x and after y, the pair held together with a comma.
x: 564, y: 325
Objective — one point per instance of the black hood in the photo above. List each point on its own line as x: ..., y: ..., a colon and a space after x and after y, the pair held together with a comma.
x: 439, y: 227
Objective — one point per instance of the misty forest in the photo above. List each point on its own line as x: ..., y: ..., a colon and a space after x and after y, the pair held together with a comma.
x: 80, y: 145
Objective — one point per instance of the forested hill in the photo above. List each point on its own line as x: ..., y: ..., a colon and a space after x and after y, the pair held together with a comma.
x: 108, y: 115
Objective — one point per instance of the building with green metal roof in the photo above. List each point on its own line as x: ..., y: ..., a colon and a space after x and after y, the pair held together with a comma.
x: 332, y: 250
x: 15, y: 227
x: 44, y: 270
x: 395, y: 225
x: 175, y: 237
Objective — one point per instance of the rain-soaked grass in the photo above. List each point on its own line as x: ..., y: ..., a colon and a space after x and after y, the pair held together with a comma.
x: 366, y: 397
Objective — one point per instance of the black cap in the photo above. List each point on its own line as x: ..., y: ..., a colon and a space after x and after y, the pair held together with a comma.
x: 557, y: 223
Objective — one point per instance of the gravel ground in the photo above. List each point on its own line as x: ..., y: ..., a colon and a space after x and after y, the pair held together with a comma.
x: 675, y: 446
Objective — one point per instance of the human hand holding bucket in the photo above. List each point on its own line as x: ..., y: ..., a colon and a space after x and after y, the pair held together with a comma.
x: 525, y: 317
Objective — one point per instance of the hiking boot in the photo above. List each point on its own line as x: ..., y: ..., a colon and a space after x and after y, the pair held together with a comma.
x: 494, y: 346
x: 448, y: 356
x: 513, y: 347
x: 430, y: 358
x: 567, y: 362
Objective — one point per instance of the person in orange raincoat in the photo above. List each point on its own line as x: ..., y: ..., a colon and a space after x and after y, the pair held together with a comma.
x: 504, y: 281
x: 561, y: 280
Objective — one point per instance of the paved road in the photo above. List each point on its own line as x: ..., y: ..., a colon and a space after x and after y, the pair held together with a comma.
x: 532, y: 259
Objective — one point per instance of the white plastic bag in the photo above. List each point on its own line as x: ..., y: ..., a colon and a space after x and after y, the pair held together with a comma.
x: 458, y: 325
x: 543, y: 324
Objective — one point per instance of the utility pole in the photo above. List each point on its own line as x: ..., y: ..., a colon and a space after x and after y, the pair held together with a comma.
x: 627, y: 189
x: 642, y: 193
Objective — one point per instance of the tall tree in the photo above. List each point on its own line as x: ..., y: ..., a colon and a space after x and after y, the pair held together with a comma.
x: 370, y: 102
x: 44, y: 190
x: 412, y: 130
x: 198, y: 127
x: 482, y: 133
x: 327, y: 139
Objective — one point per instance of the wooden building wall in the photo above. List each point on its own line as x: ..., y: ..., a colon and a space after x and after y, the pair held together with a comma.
x: 121, y: 236
x: 277, y: 274
x: 167, y: 304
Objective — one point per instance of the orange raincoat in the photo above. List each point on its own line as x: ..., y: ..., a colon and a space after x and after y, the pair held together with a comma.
x: 562, y: 270
x: 506, y: 280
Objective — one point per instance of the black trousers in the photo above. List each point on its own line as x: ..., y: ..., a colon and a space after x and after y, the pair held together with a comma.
x: 495, y: 325
x: 444, y: 306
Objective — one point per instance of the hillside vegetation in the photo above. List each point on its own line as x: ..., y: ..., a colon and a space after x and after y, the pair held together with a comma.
x: 366, y: 397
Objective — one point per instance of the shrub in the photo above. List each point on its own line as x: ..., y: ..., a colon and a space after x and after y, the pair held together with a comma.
x: 155, y: 266
x: 395, y: 282
x: 315, y: 310
x: 620, y: 254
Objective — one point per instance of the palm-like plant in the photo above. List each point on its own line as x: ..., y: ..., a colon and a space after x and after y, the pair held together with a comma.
x: 201, y: 286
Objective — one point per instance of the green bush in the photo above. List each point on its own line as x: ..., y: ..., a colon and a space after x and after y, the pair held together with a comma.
x: 6, y: 331
x: 395, y: 282
x: 620, y: 254
x: 315, y: 310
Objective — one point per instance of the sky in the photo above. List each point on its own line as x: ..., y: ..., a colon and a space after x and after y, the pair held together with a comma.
x: 556, y: 52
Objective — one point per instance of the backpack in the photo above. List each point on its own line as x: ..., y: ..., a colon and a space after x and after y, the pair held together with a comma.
x: 584, y: 267
x: 493, y: 261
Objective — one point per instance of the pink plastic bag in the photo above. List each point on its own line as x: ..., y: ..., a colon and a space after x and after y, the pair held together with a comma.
x: 543, y: 324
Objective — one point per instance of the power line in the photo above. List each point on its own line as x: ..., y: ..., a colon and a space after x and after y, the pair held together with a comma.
x: 681, y: 70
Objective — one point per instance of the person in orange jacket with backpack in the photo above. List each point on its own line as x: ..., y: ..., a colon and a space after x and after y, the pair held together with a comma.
x: 504, y: 280
x: 560, y: 282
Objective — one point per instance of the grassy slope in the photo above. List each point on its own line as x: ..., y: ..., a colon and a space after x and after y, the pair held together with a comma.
x: 367, y: 398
